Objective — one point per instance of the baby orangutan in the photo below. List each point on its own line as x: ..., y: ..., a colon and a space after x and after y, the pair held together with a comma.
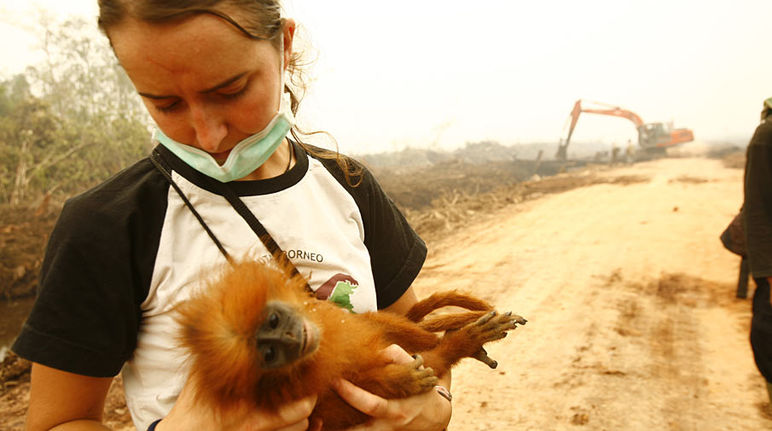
x: 257, y: 334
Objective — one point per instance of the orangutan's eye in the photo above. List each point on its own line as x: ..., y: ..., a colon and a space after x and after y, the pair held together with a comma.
x: 273, y: 320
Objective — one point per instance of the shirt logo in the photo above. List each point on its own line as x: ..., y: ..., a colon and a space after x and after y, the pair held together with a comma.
x: 338, y: 289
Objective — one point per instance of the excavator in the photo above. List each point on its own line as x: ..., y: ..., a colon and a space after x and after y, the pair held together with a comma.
x: 652, y: 137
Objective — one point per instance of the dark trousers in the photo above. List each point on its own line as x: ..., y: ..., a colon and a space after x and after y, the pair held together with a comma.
x: 761, y: 329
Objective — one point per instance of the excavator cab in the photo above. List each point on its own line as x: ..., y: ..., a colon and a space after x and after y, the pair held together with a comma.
x: 661, y: 136
x: 652, y: 135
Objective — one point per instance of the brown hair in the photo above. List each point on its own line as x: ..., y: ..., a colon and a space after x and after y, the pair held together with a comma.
x: 257, y: 19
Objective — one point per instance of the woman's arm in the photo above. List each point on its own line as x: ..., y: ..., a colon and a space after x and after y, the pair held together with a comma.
x: 403, y: 304
x: 188, y: 414
x: 65, y: 401
x: 425, y: 412
x: 62, y: 401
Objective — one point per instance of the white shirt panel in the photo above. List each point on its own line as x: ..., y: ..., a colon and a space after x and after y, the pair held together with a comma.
x: 321, y: 243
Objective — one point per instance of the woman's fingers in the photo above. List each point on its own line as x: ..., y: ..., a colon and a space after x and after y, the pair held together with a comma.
x: 396, y: 354
x: 362, y: 400
x: 297, y: 411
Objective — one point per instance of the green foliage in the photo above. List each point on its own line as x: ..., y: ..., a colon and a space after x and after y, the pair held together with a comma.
x: 341, y: 295
x: 69, y: 122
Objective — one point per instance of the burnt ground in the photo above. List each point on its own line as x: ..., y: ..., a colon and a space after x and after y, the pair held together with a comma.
x: 436, y: 201
x: 23, y: 235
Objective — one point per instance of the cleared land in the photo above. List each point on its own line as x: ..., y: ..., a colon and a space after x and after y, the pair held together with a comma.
x: 633, y: 324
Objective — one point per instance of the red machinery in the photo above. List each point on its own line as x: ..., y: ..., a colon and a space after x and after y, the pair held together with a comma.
x: 653, y: 137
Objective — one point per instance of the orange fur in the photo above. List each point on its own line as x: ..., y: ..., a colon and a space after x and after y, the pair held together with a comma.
x: 218, y: 328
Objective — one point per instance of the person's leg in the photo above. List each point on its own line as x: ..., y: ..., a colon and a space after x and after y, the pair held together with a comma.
x: 761, y: 332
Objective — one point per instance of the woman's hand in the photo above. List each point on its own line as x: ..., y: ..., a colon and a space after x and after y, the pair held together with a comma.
x: 425, y: 412
x: 188, y: 414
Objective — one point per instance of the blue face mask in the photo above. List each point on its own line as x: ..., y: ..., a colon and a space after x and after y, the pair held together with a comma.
x: 245, y: 157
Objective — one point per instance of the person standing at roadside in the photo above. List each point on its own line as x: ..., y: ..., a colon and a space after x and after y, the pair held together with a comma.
x: 757, y: 216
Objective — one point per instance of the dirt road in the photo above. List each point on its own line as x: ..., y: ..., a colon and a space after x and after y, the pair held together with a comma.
x: 632, y: 325
x: 629, y: 295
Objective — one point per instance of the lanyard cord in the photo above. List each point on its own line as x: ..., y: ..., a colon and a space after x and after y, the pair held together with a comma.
x: 155, y: 157
x: 259, y: 230
x: 243, y: 211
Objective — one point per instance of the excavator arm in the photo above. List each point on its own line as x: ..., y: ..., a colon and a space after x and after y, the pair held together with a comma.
x: 649, y: 135
x: 609, y: 110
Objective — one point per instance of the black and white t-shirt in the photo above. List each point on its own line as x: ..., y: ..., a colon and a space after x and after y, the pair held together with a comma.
x: 125, y: 253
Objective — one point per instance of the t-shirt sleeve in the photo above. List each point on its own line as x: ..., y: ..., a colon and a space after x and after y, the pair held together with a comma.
x: 757, y: 207
x: 83, y: 320
x: 94, y: 277
x: 397, y: 253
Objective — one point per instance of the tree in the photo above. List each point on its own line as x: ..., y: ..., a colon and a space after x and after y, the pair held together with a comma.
x: 70, y: 121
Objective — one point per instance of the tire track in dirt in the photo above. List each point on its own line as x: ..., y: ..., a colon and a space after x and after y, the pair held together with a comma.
x: 629, y: 297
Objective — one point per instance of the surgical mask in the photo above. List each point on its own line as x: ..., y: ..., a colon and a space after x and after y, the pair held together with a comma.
x: 248, y: 155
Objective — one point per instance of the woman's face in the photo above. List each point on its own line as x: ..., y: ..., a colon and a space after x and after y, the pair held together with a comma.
x: 204, y: 82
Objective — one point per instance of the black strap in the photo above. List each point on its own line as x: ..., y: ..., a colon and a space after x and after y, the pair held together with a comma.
x: 155, y: 157
x: 243, y: 211
x: 260, y: 231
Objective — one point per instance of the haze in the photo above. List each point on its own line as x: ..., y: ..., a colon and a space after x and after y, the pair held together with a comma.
x: 438, y: 74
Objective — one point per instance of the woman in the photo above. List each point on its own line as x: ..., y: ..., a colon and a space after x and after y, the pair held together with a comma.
x: 211, y: 74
